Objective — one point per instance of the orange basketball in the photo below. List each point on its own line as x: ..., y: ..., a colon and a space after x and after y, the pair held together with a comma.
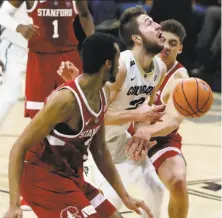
x: 192, y: 97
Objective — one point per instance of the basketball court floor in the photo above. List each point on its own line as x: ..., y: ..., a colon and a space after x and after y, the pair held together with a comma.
x: 201, y: 147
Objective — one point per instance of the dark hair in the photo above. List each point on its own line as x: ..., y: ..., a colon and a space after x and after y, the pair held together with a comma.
x: 96, y: 49
x: 175, y: 27
x: 128, y: 24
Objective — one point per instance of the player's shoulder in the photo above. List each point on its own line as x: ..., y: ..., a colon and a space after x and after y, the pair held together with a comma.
x: 62, y: 97
x: 180, y: 71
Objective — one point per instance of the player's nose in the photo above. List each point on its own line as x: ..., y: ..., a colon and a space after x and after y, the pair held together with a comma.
x: 157, y: 26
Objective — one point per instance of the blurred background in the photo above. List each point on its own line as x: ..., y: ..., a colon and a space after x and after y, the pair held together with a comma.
x: 201, y: 19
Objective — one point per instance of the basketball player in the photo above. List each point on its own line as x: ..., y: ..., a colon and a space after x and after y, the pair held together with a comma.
x: 140, y: 73
x: 13, y: 53
x: 50, y: 41
x: 46, y: 162
x: 166, y: 155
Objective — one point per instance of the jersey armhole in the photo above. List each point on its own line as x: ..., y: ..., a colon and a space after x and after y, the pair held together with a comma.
x: 32, y: 8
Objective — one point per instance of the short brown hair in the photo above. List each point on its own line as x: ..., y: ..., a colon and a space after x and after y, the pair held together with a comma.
x: 128, y: 24
x: 175, y: 27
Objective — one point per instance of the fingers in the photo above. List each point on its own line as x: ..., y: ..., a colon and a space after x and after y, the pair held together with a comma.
x: 134, y: 146
x: 159, y: 108
x: 139, y: 151
x: 142, y: 205
x: 136, y: 209
x: 31, y: 31
x: 128, y: 145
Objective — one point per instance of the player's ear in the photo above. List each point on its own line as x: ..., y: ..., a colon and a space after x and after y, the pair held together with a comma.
x: 180, y: 49
x: 108, y: 63
x: 136, y: 39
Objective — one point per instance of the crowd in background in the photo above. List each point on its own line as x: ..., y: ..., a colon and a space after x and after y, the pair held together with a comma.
x: 201, y: 19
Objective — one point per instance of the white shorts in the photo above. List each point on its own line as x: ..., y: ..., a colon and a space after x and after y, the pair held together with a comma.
x: 13, y: 53
x: 134, y: 175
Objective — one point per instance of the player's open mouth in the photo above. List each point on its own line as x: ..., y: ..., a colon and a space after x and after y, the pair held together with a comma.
x: 160, y: 36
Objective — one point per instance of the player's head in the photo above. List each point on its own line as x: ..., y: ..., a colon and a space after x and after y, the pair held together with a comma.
x: 100, y: 52
x: 138, y: 29
x: 174, y: 34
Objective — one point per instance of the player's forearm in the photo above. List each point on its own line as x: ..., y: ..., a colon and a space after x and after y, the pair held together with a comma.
x: 106, y: 166
x: 87, y: 24
x: 163, y: 128
x: 16, y: 161
x: 120, y: 117
x: 85, y: 17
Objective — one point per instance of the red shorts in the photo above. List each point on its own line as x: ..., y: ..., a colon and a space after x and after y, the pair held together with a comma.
x: 165, y: 148
x: 42, y: 77
x: 54, y: 196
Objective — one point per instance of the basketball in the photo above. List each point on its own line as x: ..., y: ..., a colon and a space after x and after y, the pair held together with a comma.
x: 192, y: 97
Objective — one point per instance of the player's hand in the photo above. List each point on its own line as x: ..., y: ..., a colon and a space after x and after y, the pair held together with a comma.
x: 13, y: 212
x: 147, y: 113
x: 134, y: 204
x: 137, y: 147
x: 28, y: 31
x: 68, y: 71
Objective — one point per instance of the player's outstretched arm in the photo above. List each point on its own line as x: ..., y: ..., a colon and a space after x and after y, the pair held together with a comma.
x: 172, y: 119
x: 103, y: 160
x: 59, y: 108
x: 170, y: 122
x: 85, y: 17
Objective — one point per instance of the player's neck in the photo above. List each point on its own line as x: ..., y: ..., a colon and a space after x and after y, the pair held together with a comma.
x: 91, y: 85
x: 143, y: 58
x: 169, y: 64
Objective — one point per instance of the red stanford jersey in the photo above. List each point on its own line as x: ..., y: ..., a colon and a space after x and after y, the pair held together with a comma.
x: 159, y: 101
x: 171, y: 72
x: 64, y: 151
x: 55, y: 20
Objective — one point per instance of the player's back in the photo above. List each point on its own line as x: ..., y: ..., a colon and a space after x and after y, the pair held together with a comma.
x: 63, y: 151
x: 55, y: 21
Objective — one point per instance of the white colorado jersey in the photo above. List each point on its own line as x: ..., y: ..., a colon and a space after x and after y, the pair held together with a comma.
x: 16, y: 38
x: 135, y: 90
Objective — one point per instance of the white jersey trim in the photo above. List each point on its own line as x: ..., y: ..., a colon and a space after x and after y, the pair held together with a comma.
x: 99, y: 199
x: 80, y: 107
x: 34, y: 105
x: 74, y: 7
x: 176, y: 62
x: 104, y: 93
x: 55, y: 141
x: 85, y: 100
x: 162, y: 151
x: 33, y: 7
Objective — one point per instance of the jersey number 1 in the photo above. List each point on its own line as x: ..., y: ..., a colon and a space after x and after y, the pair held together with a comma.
x: 56, y: 29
